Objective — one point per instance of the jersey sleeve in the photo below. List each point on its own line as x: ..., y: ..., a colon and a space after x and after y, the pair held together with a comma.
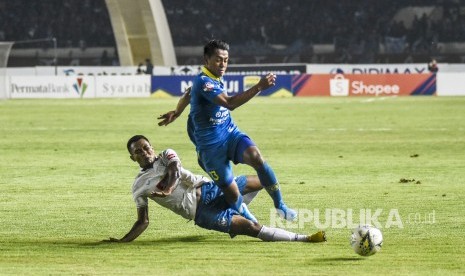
x: 210, y: 89
x: 138, y: 194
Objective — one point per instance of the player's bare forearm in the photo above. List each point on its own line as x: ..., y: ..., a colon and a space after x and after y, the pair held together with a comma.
x: 234, y: 102
x: 138, y: 228
x: 135, y: 232
x: 172, y: 115
x: 184, y: 101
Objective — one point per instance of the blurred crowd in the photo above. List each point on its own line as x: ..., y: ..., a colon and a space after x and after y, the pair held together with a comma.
x: 357, y: 28
x: 75, y: 23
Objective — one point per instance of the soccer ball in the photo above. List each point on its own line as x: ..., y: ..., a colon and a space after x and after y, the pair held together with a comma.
x: 366, y: 240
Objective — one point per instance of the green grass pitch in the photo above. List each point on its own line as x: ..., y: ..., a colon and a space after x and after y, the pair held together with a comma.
x: 66, y: 178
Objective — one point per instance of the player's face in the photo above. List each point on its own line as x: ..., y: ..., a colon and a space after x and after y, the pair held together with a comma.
x: 218, y: 62
x: 142, y: 152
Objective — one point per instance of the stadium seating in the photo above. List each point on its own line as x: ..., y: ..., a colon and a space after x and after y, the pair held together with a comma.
x: 331, y: 31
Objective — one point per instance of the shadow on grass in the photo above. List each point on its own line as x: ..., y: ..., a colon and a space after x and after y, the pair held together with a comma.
x: 339, y: 259
x: 166, y: 242
x: 74, y: 242
x: 161, y: 241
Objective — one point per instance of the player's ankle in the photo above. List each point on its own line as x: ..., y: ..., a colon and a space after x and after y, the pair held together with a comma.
x: 286, y: 213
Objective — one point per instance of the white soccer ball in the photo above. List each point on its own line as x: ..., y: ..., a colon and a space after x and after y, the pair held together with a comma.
x: 366, y: 240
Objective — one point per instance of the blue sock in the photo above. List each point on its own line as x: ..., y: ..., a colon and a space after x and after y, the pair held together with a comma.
x: 269, y: 181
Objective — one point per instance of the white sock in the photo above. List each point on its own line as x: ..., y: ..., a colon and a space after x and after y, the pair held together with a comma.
x: 247, y: 198
x: 277, y: 234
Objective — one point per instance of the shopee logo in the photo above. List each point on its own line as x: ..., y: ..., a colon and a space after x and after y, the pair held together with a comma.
x: 358, y: 87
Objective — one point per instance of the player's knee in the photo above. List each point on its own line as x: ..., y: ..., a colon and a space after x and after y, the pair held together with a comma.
x: 243, y: 226
x: 254, y: 158
x: 232, y: 198
x: 231, y: 192
x: 253, y: 183
x: 254, y: 228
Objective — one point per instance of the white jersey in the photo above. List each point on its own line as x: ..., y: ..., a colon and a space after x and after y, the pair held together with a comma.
x: 183, y: 199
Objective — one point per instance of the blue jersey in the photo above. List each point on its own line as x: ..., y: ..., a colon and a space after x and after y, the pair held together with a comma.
x: 212, y: 123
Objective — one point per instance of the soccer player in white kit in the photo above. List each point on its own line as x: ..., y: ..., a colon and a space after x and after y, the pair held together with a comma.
x: 194, y: 197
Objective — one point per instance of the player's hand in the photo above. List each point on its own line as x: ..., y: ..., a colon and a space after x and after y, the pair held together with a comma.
x: 167, y: 118
x: 161, y: 194
x: 267, y: 82
x: 112, y: 240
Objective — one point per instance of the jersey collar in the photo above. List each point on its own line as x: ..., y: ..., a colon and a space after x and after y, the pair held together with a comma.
x: 209, y: 74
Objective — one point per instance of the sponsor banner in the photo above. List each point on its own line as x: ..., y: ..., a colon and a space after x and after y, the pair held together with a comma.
x: 3, y: 84
x: 364, y: 85
x: 122, y: 86
x: 411, y: 68
x: 263, y: 69
x: 244, y: 70
x: 168, y: 86
x: 20, y: 71
x: 451, y: 68
x: 186, y: 70
x: 96, y: 70
x: 21, y: 87
x: 451, y: 84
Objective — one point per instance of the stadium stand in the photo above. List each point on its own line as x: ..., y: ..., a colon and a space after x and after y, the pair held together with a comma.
x: 82, y: 29
x: 359, y: 31
x: 75, y: 23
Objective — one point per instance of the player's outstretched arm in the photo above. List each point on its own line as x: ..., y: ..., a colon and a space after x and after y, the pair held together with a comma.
x: 172, y: 115
x: 138, y: 228
x: 235, y: 101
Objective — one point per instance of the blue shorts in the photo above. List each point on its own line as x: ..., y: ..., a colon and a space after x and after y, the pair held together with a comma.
x: 190, y: 132
x: 216, y: 161
x: 213, y: 211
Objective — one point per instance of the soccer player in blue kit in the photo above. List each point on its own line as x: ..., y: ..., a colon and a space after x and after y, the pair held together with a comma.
x: 217, y: 139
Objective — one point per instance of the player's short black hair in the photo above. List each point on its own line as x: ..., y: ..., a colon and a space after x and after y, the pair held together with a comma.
x: 134, y: 139
x: 214, y: 44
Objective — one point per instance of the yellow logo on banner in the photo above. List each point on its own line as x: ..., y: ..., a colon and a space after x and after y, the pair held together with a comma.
x: 161, y: 94
x: 250, y: 81
x: 282, y: 93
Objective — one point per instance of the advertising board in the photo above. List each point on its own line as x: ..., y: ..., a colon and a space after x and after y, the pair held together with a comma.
x: 364, y: 85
